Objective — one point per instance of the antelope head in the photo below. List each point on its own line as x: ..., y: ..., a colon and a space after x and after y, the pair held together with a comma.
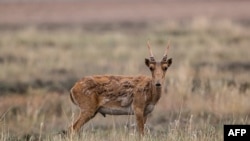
x: 158, y: 68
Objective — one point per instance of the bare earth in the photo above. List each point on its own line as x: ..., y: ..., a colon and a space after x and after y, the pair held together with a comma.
x: 113, y: 11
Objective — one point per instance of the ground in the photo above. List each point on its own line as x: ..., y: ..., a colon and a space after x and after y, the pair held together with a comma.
x: 113, y: 11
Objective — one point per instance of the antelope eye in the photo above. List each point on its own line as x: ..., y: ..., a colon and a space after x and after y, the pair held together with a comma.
x: 165, y: 68
x: 151, y: 68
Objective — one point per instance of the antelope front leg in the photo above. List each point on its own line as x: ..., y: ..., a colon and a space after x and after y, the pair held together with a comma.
x: 140, y: 119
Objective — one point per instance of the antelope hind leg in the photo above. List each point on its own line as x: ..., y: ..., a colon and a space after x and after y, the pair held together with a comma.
x: 83, y: 118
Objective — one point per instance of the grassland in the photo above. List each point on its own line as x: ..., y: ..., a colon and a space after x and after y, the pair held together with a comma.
x: 206, y: 87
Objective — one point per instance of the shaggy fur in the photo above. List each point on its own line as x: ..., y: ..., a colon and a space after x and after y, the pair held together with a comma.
x: 119, y: 95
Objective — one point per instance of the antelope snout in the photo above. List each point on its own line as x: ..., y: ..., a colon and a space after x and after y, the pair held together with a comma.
x: 158, y: 84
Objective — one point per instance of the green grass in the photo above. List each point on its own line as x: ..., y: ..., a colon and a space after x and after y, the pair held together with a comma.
x: 206, y: 87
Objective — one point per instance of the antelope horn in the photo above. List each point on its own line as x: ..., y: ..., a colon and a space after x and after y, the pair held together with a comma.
x: 166, y: 51
x: 150, y: 51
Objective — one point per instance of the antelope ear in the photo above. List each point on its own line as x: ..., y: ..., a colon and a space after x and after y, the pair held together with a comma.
x: 147, y: 62
x: 169, y: 62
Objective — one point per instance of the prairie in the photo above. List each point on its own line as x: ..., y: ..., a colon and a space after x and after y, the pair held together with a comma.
x: 207, y: 85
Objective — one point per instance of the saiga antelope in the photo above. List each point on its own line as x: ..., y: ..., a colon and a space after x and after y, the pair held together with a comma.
x: 120, y: 95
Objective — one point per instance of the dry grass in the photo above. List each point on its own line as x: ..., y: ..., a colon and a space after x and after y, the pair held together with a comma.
x: 207, y: 86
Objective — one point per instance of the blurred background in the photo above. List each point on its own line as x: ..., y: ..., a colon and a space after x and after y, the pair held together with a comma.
x: 47, y: 45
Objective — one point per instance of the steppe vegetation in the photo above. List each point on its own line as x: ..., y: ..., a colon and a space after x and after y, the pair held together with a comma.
x: 207, y: 85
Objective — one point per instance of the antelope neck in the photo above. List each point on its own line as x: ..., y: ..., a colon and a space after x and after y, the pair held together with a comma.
x: 156, y: 92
